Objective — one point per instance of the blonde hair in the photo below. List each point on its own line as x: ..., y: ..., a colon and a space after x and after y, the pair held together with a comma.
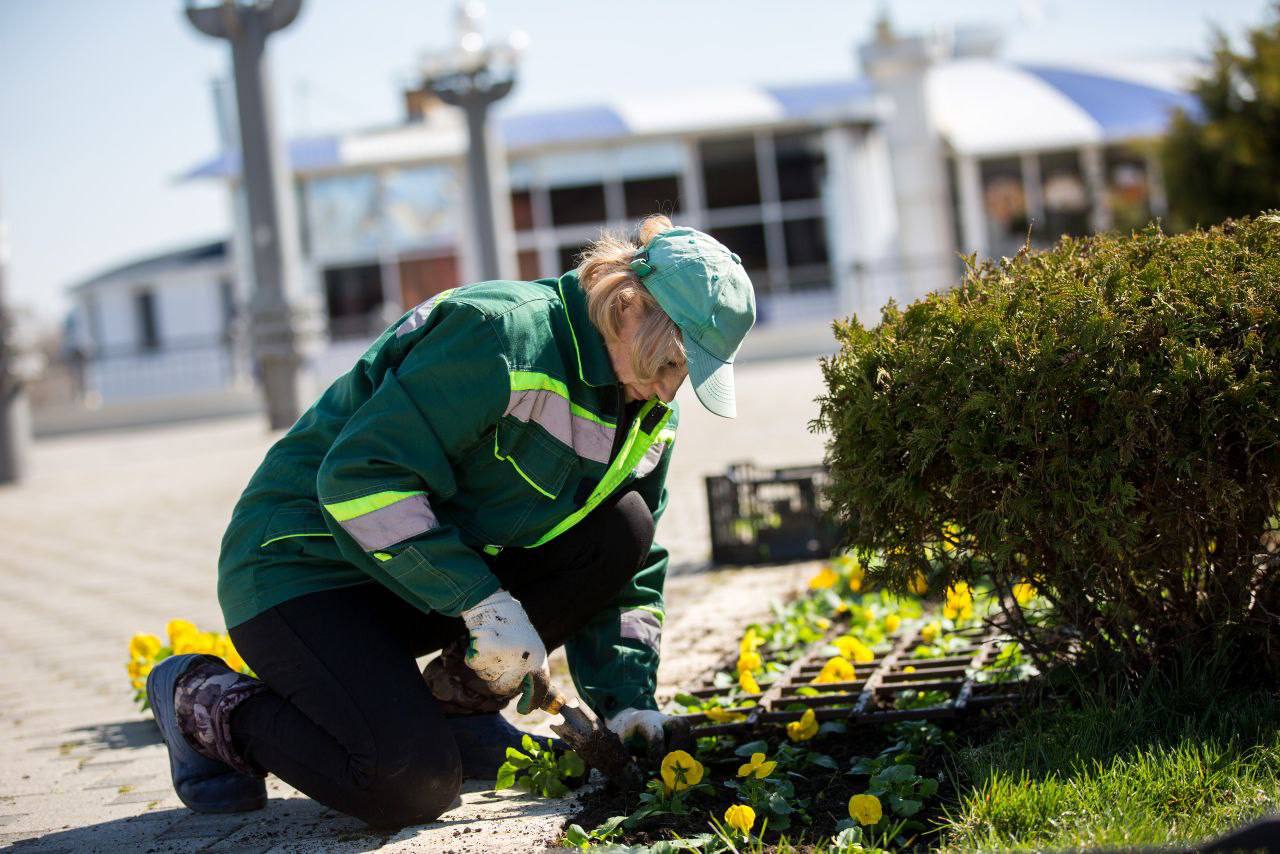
x: 611, y: 286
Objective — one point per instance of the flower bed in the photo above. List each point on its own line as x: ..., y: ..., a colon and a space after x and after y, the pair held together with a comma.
x: 821, y: 727
x: 147, y: 650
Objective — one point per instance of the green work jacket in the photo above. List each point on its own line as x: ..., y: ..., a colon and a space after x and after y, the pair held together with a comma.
x: 485, y: 418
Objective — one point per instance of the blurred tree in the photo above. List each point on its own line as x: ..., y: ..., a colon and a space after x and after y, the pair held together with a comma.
x: 1226, y: 161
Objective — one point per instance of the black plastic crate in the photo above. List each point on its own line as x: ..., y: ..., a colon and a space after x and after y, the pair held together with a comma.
x: 769, y: 515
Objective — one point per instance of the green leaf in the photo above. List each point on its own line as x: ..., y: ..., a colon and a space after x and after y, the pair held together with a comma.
x: 527, y: 742
x: 822, y: 760
x: 687, y: 700
x: 833, y: 728
x: 907, y: 807
x: 506, y: 776
x: 571, y: 765
x: 518, y: 759
x: 751, y: 747
x: 928, y: 787
x: 575, y: 837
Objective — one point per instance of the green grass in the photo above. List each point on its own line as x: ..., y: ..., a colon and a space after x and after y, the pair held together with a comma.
x: 1176, y: 760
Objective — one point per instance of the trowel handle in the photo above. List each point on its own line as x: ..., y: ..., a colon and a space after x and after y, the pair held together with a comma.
x: 537, y: 692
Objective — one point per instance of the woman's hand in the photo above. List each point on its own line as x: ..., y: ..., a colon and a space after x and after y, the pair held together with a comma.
x: 505, y: 647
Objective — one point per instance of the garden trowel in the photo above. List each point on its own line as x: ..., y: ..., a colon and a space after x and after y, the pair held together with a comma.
x: 598, y: 746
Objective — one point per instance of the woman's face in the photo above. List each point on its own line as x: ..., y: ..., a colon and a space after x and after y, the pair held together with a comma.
x: 664, y: 386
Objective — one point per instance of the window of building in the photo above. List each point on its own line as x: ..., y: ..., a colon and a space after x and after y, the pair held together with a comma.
x: 1066, y: 196
x: 578, y: 204
x: 423, y: 278
x: 646, y: 196
x: 343, y: 215
x: 748, y: 241
x: 144, y: 306
x: 527, y: 261
x: 420, y: 205
x: 522, y: 210
x: 569, y: 256
x: 1005, y: 201
x: 801, y: 165
x: 729, y: 172
x: 1128, y: 189
x: 353, y: 297
x: 808, y: 262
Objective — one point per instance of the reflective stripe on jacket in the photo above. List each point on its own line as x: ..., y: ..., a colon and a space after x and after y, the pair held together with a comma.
x: 485, y: 418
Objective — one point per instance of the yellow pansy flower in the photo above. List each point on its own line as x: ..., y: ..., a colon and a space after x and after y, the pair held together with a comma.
x: 856, y: 575
x: 1024, y: 592
x: 680, y: 771
x: 891, y: 623
x: 805, y: 728
x: 179, y: 628
x: 824, y: 580
x: 723, y: 716
x: 748, y: 683
x: 750, y: 641
x: 837, y: 669
x: 757, y: 767
x: 918, y: 584
x: 749, y: 661
x: 929, y: 632
x: 865, y: 809
x: 740, y: 817
x: 910, y: 668
x: 144, y: 646
x: 853, y: 649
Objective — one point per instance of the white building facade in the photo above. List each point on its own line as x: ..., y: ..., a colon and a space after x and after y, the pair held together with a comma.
x: 838, y: 196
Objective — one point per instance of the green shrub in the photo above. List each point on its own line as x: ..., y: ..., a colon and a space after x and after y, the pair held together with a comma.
x: 1102, y: 419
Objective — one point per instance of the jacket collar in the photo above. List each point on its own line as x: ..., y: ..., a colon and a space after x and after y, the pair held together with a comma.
x: 594, y: 366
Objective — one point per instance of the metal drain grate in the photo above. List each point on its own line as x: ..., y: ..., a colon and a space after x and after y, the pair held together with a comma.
x: 872, y: 697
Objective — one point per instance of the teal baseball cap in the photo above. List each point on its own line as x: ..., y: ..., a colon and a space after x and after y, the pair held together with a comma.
x: 703, y: 287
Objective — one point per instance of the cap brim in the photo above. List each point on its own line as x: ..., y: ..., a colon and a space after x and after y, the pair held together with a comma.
x: 712, y: 380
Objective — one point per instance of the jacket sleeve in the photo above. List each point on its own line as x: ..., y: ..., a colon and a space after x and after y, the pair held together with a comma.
x: 392, y: 462
x: 614, y: 658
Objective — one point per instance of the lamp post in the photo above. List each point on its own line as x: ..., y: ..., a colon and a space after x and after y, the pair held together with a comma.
x: 12, y: 397
x: 280, y: 330
x: 473, y: 75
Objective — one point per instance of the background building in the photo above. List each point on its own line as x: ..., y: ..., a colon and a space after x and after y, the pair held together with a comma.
x: 839, y: 196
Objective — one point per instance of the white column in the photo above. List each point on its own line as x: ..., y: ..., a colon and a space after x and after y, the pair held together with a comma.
x: 695, y: 200
x: 1156, y: 195
x: 973, y: 213
x: 1094, y: 167
x: 1033, y: 188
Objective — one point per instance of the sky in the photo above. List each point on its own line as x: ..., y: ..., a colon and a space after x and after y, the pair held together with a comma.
x: 104, y: 104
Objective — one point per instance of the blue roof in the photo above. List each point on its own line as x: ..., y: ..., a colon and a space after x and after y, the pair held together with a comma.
x: 800, y: 101
x: 311, y: 153
x: 576, y: 125
x: 1122, y: 108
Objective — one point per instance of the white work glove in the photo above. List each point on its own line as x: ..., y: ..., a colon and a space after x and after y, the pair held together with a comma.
x: 645, y: 724
x: 505, y: 647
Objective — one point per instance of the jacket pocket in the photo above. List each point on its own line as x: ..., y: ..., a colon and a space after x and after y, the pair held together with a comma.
x: 541, y: 461
x: 294, y: 526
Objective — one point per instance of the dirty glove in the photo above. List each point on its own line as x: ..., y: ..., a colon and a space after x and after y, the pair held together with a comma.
x: 505, y: 647
x: 643, y: 724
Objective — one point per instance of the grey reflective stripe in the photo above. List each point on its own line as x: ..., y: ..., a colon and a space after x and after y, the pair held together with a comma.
x: 420, y: 313
x: 639, y: 624
x: 589, y: 439
x: 651, y: 458
x: 392, y: 524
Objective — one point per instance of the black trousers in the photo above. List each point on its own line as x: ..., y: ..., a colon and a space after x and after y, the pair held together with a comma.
x: 348, y: 719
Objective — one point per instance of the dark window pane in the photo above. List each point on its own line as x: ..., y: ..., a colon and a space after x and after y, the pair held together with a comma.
x: 748, y: 242
x: 522, y: 210
x: 801, y: 165
x: 729, y: 172
x: 1066, y: 197
x: 569, y: 256
x: 148, y: 332
x: 1128, y: 191
x: 652, y: 195
x: 527, y: 259
x: 807, y: 258
x: 1005, y: 202
x: 353, y: 296
x: 571, y: 205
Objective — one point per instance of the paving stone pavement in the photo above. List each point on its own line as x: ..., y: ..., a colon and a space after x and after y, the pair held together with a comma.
x: 114, y: 533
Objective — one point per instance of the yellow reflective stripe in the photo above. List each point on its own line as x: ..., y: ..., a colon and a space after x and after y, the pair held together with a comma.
x: 290, y: 537
x: 652, y: 609
x: 344, y: 510
x: 628, y: 458
x: 516, y: 466
x: 382, y: 556
x: 534, y: 381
